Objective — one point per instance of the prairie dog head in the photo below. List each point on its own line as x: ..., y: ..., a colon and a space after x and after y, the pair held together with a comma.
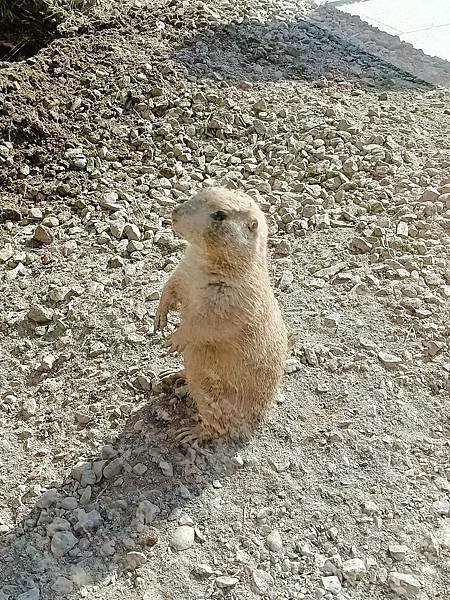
x: 222, y: 220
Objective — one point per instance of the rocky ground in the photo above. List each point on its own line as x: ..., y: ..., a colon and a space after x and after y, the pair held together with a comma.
x: 345, y: 492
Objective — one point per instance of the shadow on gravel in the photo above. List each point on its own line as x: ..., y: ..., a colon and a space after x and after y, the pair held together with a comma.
x: 327, y: 43
x: 81, y: 531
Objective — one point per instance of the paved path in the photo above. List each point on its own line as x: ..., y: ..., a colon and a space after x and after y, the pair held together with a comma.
x: 425, y: 25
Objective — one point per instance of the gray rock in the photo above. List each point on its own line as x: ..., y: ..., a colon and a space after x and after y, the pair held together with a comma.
x: 135, y: 559
x: 166, y: 468
x: 58, y: 524
x: 48, y: 498
x: 132, y: 232
x: 139, y: 469
x: 147, y: 511
x: 62, y: 586
x: 62, y: 542
x: 43, y: 235
x: 40, y: 314
x: 79, y: 469
x: 114, y: 468
x: 333, y: 565
x: 88, y: 477
x: 108, y: 452
x: 69, y: 503
x: 33, y: 594
x: 88, y: 520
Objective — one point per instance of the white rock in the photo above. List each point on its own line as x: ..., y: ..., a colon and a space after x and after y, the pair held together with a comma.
x: 390, y: 361
x: 402, y: 229
x: 29, y: 408
x: 116, y: 229
x: 6, y: 252
x: 353, y: 569
x: 182, y: 538
x: 442, y: 507
x: 398, y: 551
x: 262, y: 581
x: 404, y: 584
x: 331, y: 584
x: 370, y: 508
x: 286, y: 281
x: 292, y: 365
x: 443, y: 534
x: 332, y: 320
x: 110, y: 201
x: 204, y: 570
x: 224, y: 581
x: 274, y: 541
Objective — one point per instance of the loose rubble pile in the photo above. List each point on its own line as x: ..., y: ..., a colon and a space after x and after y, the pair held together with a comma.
x: 345, y: 492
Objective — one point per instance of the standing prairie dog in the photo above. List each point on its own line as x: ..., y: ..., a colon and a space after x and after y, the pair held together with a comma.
x: 231, y: 333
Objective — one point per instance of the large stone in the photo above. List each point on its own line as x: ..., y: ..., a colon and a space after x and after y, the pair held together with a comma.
x: 182, y: 538
x: 62, y: 542
x: 353, y: 569
x: 62, y: 586
x: 262, y: 582
x: 404, y: 584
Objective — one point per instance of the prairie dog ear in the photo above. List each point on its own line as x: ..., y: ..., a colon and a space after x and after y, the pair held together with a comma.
x: 253, y: 224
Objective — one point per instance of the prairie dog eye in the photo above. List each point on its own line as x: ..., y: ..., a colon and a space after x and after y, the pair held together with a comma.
x: 219, y: 215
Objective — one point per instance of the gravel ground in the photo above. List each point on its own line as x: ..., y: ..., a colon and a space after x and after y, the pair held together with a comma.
x: 344, y: 493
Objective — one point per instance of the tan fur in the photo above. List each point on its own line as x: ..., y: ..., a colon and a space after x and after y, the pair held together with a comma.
x: 231, y: 333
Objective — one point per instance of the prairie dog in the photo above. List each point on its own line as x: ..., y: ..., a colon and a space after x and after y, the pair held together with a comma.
x: 231, y: 334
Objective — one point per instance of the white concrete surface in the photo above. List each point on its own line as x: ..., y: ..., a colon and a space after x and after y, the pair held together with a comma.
x: 423, y: 23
